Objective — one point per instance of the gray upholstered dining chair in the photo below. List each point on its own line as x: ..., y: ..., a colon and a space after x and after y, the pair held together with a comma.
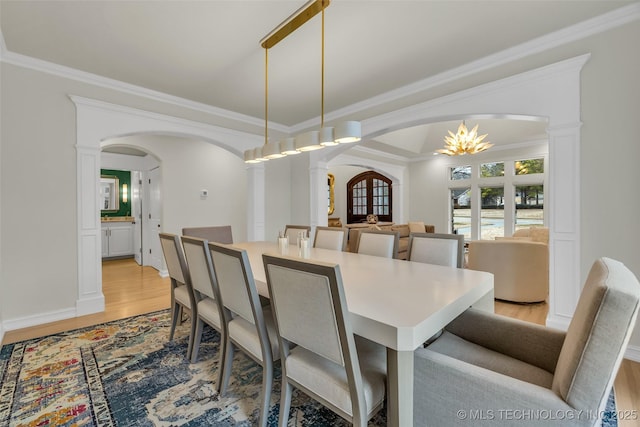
x: 489, y: 364
x: 382, y: 243
x: 320, y: 355
x: 437, y: 248
x: 291, y: 232
x: 250, y: 326
x: 334, y: 238
x: 182, y: 296
x: 216, y: 233
x: 207, y: 296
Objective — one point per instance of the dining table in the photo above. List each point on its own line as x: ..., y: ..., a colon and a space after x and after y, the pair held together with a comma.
x: 396, y: 303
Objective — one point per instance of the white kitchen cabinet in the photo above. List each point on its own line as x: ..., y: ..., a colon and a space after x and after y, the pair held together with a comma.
x: 117, y: 239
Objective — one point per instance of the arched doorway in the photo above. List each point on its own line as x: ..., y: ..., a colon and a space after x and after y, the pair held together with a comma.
x: 96, y: 122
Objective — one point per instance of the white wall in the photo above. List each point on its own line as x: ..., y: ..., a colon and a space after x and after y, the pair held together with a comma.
x: 189, y: 166
x: 610, y: 153
x: 38, y: 228
x: 278, y: 196
x: 39, y: 279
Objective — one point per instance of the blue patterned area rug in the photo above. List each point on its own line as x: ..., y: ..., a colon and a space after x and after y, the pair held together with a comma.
x: 126, y: 373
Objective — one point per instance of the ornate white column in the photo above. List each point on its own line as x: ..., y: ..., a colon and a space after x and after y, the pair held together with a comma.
x: 90, y: 298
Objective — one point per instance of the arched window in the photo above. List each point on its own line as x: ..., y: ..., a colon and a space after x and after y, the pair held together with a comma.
x: 368, y: 193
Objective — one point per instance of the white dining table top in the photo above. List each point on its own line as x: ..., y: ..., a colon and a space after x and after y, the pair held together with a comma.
x: 393, y: 302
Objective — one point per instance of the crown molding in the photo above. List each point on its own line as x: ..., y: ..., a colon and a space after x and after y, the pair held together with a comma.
x: 575, y: 32
x: 552, y: 40
x: 104, y: 82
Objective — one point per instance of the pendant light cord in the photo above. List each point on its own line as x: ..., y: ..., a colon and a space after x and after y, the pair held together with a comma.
x: 322, y: 77
x: 266, y: 96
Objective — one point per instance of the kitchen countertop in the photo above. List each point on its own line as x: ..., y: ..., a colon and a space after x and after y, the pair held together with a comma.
x: 118, y: 219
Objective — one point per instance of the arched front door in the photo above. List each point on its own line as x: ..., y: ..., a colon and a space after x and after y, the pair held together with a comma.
x: 369, y: 193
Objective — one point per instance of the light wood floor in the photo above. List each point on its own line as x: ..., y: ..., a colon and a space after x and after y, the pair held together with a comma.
x: 130, y: 290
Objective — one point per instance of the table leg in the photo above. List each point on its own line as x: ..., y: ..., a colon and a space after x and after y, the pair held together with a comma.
x: 399, y: 388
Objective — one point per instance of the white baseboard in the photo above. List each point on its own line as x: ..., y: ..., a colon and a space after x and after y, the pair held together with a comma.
x: 558, y: 322
x: 38, y: 319
x: 91, y: 305
x: 164, y: 273
x: 632, y: 353
x: 1, y: 334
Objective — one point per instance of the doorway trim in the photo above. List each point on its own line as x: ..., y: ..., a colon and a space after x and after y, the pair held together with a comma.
x: 97, y: 121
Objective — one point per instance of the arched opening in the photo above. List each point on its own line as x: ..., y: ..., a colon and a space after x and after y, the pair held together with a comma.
x: 97, y: 123
x: 533, y: 94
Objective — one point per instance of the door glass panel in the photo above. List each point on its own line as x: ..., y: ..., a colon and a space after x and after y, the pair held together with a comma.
x: 360, y: 198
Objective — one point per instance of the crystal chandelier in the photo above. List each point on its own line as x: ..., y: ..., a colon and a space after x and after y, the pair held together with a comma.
x: 464, y: 142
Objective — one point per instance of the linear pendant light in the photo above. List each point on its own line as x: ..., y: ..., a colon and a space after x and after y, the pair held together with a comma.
x: 288, y: 147
x: 326, y: 136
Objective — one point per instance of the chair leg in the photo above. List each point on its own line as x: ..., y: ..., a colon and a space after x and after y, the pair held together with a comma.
x: 226, y: 373
x: 267, y: 385
x: 175, y: 311
x: 192, y: 332
x: 222, y: 368
x: 180, y: 314
x: 285, y: 403
x: 197, y: 337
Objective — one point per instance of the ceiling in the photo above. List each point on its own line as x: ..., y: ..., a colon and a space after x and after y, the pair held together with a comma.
x: 208, y: 51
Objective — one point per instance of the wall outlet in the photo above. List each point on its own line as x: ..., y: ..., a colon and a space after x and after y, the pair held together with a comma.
x: 204, y: 193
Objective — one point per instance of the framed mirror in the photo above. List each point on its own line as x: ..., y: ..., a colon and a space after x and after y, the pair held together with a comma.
x: 109, y: 193
x: 330, y: 183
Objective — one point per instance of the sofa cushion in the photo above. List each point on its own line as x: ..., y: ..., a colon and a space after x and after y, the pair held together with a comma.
x: 403, y: 229
x: 416, y: 226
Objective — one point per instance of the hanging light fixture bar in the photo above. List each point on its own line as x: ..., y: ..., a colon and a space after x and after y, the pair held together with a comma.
x: 345, y: 132
x: 293, y: 22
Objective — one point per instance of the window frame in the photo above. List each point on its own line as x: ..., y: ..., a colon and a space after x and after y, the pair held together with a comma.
x: 509, y: 181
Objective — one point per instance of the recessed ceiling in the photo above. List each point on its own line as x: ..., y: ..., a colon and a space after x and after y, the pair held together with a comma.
x: 425, y: 139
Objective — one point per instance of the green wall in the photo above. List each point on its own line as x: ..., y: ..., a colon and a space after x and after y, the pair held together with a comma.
x: 125, y: 178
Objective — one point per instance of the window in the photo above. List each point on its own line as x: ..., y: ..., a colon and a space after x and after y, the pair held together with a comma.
x: 493, y: 199
x: 460, y: 172
x: 529, y: 206
x: 527, y: 167
x: 488, y: 170
x: 461, y: 211
x: 369, y: 193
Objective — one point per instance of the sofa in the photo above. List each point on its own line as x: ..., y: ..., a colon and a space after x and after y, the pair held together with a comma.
x: 535, y: 234
x: 404, y: 230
